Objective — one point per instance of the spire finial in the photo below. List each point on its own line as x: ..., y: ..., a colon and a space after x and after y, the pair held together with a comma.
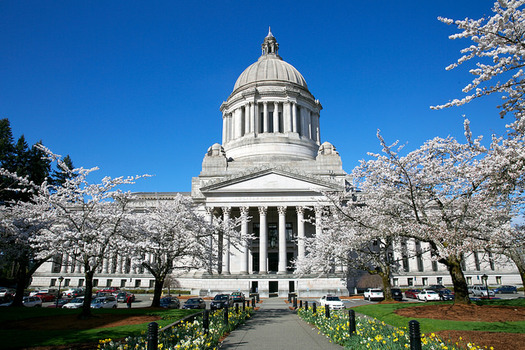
x: 269, y: 32
x: 270, y: 46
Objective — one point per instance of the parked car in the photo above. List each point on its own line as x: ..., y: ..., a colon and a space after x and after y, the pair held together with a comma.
x: 412, y: 293
x: 46, y: 297
x: 6, y: 291
x: 332, y: 301
x: 480, y: 290
x: 59, y: 303
x: 46, y: 291
x: 446, y: 294
x: 123, y: 296
x: 396, y: 294
x: 428, y: 295
x: 109, y: 302
x: 220, y: 301
x: 170, y: 303
x: 373, y: 294
x: 506, y: 290
x: 75, y: 303
x: 73, y: 292
x: 238, y: 297
x: 194, y: 303
x: 32, y: 301
x: 436, y: 287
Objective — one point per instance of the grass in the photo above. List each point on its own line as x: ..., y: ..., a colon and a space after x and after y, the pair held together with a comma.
x: 32, y: 338
x: 386, y: 313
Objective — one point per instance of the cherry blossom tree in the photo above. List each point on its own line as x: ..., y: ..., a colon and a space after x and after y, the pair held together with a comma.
x: 497, y: 53
x: 171, y: 235
x: 90, y: 222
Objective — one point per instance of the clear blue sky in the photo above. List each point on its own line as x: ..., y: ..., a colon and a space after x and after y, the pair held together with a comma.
x: 135, y: 87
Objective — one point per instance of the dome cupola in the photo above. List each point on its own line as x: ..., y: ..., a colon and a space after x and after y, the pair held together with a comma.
x: 270, y: 114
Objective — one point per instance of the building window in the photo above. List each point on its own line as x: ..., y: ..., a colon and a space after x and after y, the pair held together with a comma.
x: 53, y: 282
x: 109, y: 281
x: 476, y: 261
x: 273, y: 235
x: 289, y: 232
x: 122, y: 283
x: 410, y: 281
x: 57, y: 264
x: 434, y: 265
x: 137, y: 283
x: 67, y: 281
x: 395, y: 282
x: 151, y: 283
x: 256, y: 227
x: 81, y: 282
x: 498, y: 279
x: 95, y: 282
x: 419, y: 263
x: 439, y: 280
x: 405, y: 263
x: 469, y: 280
x: 425, y: 281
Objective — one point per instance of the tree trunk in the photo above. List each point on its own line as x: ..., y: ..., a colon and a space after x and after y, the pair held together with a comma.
x: 23, y: 279
x: 453, y: 264
x: 159, y: 283
x: 86, y: 307
x: 387, y: 286
x: 521, y: 268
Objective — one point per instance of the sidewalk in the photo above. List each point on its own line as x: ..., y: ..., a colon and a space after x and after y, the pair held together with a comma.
x: 275, y: 327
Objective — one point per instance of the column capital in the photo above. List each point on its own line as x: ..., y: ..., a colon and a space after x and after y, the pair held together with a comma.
x: 244, y: 211
x: 227, y: 210
x: 263, y: 210
x: 281, y: 210
x: 299, y: 210
x: 209, y: 210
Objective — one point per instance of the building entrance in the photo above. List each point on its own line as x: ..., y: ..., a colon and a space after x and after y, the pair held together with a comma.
x: 273, y: 288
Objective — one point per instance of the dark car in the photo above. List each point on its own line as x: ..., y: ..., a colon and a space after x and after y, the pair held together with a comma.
x: 412, y: 293
x: 170, y: 303
x: 238, y: 297
x: 436, y: 287
x: 221, y: 301
x: 59, y: 303
x: 123, y: 296
x: 446, y: 294
x: 194, y: 303
x: 506, y: 289
x: 397, y: 294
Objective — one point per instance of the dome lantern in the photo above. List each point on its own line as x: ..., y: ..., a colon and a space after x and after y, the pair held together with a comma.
x: 270, y: 45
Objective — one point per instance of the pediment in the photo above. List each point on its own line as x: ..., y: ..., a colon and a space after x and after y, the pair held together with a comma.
x: 271, y: 181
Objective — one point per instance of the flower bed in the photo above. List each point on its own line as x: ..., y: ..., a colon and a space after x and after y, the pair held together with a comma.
x: 370, y: 333
x: 186, y: 335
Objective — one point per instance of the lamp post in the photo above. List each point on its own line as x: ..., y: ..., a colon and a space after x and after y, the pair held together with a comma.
x: 60, y: 279
x: 484, y: 278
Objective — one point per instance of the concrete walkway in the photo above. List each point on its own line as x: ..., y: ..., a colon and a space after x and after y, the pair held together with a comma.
x: 274, y: 326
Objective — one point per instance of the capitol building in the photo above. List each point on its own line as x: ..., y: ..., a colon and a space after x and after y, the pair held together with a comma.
x: 270, y: 169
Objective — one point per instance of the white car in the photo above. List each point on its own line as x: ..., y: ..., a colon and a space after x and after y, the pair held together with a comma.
x: 74, y: 303
x: 374, y: 294
x: 109, y: 302
x: 481, y: 291
x: 32, y: 302
x: 332, y: 301
x: 428, y: 295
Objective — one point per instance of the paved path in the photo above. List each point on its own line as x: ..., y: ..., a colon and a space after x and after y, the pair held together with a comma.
x: 275, y: 327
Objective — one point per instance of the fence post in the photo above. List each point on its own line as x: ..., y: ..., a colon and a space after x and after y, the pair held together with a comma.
x: 206, y: 321
x: 306, y: 305
x: 236, y: 308
x: 153, y: 336
x: 415, y: 335
x: 244, y: 305
x: 351, y: 320
x: 314, y: 307
x: 295, y: 302
x: 253, y: 302
x: 300, y: 304
x: 327, y: 311
x: 226, y: 316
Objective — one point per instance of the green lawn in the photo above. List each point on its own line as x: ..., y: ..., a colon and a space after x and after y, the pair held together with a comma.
x: 29, y: 338
x: 385, y: 312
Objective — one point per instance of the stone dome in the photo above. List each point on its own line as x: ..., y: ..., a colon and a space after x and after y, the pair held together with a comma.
x: 270, y: 67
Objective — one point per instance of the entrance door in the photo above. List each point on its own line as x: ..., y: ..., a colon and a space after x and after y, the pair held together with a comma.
x: 273, y: 287
x: 291, y: 286
x: 273, y: 262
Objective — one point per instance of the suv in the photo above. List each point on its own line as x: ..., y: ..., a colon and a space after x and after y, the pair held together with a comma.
x: 32, y: 302
x: 109, y: 302
x: 396, y: 294
x: 374, y: 294
x: 221, y: 301
x: 238, y: 297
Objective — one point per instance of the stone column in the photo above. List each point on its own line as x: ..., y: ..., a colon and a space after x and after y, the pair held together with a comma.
x: 309, y: 126
x: 119, y: 263
x: 426, y: 256
x: 282, y: 240
x: 253, y: 119
x: 226, y: 266
x: 301, y: 250
x: 65, y: 262
x: 318, y: 213
x: 265, y: 116
x: 247, y: 118
x: 224, y: 128
x: 244, y: 244
x: 317, y: 128
x: 263, y: 241
x: 237, y: 123
x: 105, y: 263
x: 294, y: 117
x: 411, y: 251
x: 276, y: 117
x: 209, y: 218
